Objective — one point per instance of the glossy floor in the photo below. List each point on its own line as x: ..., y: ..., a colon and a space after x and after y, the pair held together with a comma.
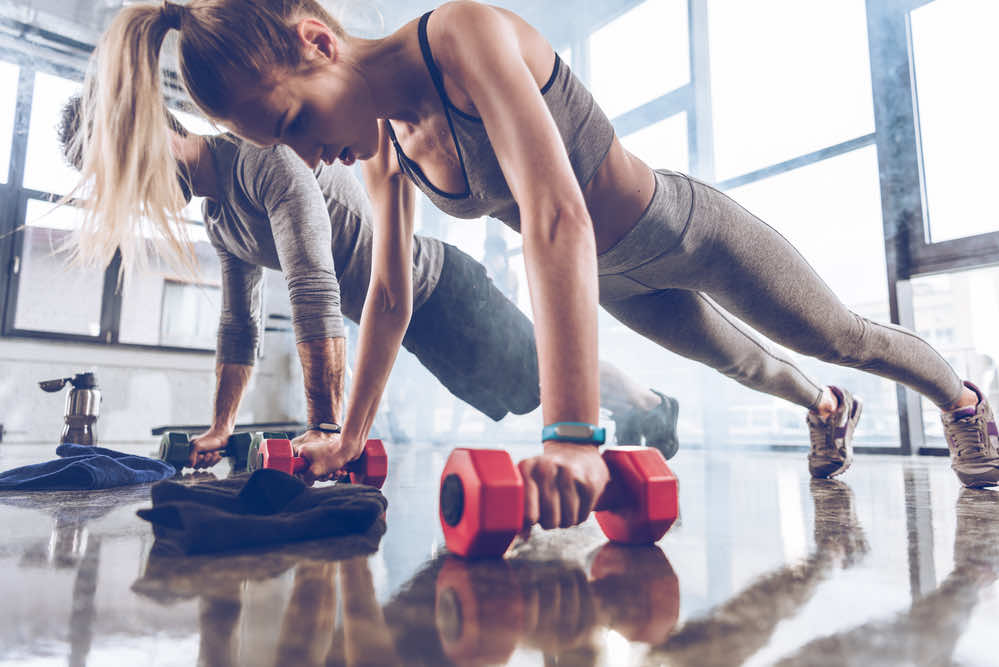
x: 896, y: 564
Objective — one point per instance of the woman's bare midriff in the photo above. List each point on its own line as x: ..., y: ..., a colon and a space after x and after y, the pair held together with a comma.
x: 617, y: 195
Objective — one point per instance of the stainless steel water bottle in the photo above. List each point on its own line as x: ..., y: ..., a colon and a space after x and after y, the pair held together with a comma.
x: 82, y: 407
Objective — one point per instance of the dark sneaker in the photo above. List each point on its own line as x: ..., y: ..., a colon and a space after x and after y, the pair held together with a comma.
x: 655, y: 427
x: 626, y: 427
x: 659, y: 425
x: 832, y: 440
x: 974, y: 442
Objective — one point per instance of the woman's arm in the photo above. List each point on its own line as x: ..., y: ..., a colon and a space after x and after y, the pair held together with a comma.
x: 479, y: 48
x: 389, y: 302
x: 277, y: 180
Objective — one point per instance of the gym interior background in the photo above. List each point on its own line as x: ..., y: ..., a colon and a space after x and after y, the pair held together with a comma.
x: 861, y: 130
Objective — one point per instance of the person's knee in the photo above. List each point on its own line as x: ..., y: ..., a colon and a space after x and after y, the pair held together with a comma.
x: 854, y: 344
x: 751, y: 371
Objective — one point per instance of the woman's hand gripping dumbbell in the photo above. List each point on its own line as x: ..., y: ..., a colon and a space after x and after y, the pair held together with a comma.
x: 482, y: 499
x: 275, y: 451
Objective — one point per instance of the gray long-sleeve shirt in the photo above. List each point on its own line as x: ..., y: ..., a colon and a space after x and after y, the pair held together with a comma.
x: 277, y: 213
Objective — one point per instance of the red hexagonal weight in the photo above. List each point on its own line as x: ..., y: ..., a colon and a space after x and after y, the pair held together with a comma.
x: 481, y: 502
x: 372, y: 466
x: 278, y: 454
x: 641, y: 501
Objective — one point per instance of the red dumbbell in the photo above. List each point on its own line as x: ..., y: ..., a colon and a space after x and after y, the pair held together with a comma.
x: 482, y: 499
x: 370, y: 469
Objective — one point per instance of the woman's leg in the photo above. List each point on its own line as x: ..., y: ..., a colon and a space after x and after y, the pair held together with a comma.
x: 691, y: 325
x: 756, y: 274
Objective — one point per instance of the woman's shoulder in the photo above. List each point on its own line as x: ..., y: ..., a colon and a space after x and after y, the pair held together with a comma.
x: 460, y: 28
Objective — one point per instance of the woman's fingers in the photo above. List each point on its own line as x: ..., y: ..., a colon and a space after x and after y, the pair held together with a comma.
x: 561, y: 491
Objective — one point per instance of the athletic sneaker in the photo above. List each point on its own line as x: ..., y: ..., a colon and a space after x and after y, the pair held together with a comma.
x: 659, y: 425
x: 832, y: 440
x: 974, y: 442
x: 656, y: 427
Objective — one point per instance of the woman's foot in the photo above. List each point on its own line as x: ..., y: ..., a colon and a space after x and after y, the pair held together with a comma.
x: 830, y: 428
x: 656, y: 423
x: 973, y: 440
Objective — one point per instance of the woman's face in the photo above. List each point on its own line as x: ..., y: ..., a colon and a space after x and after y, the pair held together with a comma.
x: 323, y: 113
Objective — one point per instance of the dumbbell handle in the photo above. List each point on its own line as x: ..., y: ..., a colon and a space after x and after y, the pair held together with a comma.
x: 301, y: 463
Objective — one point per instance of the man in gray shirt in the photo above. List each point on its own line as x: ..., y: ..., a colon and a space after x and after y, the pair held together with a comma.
x: 265, y: 208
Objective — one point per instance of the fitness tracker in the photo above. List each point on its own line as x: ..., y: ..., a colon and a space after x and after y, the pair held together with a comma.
x: 325, y: 427
x: 574, y: 432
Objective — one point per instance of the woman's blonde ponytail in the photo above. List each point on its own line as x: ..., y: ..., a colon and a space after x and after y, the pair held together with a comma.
x: 129, y: 179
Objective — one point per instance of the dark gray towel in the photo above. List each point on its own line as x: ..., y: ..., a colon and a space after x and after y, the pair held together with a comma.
x: 267, y: 507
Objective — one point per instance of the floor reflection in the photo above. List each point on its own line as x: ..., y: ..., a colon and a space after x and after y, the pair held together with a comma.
x: 928, y: 632
x: 814, y: 573
x: 737, y: 629
x: 307, y: 626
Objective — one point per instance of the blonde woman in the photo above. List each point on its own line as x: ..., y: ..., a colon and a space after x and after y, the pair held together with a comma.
x: 264, y: 208
x: 471, y: 105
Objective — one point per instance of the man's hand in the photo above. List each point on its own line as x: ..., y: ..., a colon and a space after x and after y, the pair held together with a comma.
x: 326, y: 454
x: 206, y: 449
x: 562, y: 485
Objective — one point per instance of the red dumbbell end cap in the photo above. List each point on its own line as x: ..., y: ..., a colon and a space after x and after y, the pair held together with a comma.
x: 644, y: 496
x: 482, y: 502
x: 372, y: 467
x: 277, y: 455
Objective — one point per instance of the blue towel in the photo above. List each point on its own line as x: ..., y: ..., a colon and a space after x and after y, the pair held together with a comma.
x: 84, y: 468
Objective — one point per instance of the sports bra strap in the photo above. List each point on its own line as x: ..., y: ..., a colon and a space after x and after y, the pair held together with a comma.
x: 428, y: 57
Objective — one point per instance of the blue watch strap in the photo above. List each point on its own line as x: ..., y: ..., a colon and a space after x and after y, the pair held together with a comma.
x: 574, y: 432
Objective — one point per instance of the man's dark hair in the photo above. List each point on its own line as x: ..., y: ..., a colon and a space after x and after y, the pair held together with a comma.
x: 69, y: 125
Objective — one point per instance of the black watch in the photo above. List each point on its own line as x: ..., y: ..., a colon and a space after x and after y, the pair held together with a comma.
x: 325, y: 427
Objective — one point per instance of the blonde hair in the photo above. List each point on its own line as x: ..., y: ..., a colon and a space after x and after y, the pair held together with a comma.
x: 129, y: 177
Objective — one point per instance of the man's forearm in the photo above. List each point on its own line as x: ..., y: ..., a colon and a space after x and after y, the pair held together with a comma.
x: 323, y: 362
x: 231, y: 381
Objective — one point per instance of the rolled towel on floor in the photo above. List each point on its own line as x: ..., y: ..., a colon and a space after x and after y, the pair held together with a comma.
x: 268, y: 507
x: 82, y: 468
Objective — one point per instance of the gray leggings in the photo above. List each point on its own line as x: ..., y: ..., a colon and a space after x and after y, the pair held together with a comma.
x: 695, y: 258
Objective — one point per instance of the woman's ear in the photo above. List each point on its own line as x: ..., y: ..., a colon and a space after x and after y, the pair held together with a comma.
x: 318, y: 40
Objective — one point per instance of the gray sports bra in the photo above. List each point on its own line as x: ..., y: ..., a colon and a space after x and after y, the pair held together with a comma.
x: 586, y: 133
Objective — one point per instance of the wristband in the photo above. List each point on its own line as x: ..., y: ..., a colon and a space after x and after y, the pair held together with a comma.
x: 325, y: 427
x: 574, y: 432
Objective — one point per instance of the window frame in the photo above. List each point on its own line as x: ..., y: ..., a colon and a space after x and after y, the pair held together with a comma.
x: 14, y: 198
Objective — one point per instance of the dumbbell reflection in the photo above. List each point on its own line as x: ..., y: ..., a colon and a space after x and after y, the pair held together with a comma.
x: 485, y: 609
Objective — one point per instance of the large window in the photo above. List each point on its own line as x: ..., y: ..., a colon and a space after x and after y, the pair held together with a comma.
x: 958, y: 314
x: 54, y: 295
x: 640, y: 56
x: 50, y: 296
x: 165, y: 306
x: 787, y: 78
x: 954, y: 54
x: 662, y: 145
x: 45, y: 169
x: 8, y: 90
